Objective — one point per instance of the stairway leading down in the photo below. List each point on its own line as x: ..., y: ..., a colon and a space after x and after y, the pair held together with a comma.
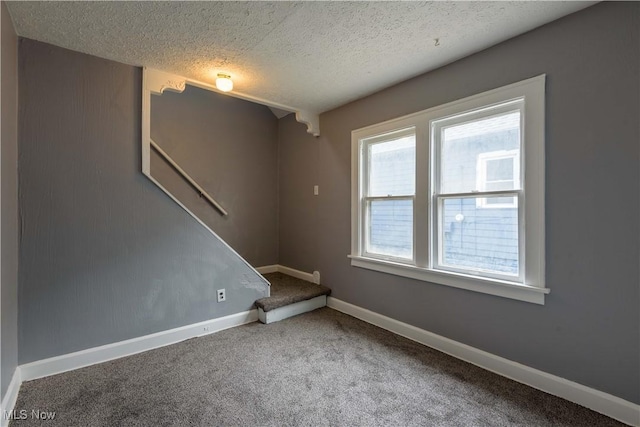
x: 290, y: 296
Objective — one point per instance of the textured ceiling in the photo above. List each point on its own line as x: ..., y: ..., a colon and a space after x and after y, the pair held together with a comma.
x: 310, y: 56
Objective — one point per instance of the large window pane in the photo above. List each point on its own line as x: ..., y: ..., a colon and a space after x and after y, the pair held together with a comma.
x: 481, y: 155
x: 392, y: 167
x: 390, y: 230
x: 480, y: 239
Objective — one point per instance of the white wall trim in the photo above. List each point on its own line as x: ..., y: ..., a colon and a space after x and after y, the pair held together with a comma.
x: 10, y: 397
x: 604, y: 403
x: 296, y: 273
x: 266, y: 269
x: 277, y: 268
x: 80, y: 359
x: 209, y: 229
x: 92, y: 356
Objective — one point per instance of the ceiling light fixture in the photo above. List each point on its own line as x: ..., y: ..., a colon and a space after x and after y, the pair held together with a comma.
x: 224, y: 83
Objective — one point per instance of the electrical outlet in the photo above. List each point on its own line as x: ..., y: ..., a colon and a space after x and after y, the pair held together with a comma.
x: 222, y: 295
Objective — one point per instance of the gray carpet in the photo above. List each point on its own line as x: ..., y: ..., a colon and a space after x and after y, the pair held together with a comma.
x: 317, y: 369
x: 287, y: 290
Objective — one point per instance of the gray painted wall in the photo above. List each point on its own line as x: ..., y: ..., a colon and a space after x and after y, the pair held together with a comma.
x: 9, y: 195
x: 230, y: 147
x: 105, y: 255
x: 298, y: 207
x: 588, y: 331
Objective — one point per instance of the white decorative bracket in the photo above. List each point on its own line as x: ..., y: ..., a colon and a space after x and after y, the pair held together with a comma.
x: 157, y: 82
x: 311, y: 120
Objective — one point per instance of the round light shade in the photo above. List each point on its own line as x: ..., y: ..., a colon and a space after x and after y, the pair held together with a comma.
x: 224, y: 83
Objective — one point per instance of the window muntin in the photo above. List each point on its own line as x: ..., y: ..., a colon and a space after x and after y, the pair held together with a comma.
x: 495, y: 182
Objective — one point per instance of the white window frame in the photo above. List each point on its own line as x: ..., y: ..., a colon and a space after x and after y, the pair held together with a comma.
x: 530, y: 285
x: 367, y: 199
x: 481, y: 178
x: 439, y: 196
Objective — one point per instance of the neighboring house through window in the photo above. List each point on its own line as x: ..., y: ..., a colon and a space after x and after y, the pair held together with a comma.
x: 439, y: 195
x: 498, y: 170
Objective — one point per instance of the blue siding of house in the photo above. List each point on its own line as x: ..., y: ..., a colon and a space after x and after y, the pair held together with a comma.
x: 391, y: 227
x: 483, y: 237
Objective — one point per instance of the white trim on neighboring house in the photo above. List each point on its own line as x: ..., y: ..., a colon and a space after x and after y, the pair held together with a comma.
x: 10, y: 397
x: 92, y: 356
x: 482, y: 179
x: 277, y: 268
x: 604, y: 403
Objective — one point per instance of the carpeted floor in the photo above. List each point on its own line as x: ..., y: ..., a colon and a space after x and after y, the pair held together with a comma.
x: 287, y: 290
x: 318, y: 369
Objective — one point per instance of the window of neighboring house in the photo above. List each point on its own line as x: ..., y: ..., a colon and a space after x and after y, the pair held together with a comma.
x: 498, y: 170
x: 455, y: 194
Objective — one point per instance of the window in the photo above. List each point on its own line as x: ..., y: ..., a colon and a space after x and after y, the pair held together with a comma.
x: 389, y: 193
x: 498, y: 170
x: 454, y: 195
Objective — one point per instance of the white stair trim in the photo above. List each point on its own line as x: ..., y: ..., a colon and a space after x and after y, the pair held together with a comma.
x: 92, y: 356
x: 277, y: 268
x: 267, y: 269
x: 604, y: 403
x: 291, y: 310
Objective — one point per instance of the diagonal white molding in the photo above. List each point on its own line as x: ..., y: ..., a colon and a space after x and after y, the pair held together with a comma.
x: 156, y: 82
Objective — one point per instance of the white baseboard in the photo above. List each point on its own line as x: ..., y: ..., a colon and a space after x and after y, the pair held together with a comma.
x: 291, y: 310
x: 10, y: 397
x: 296, y: 273
x: 267, y: 269
x: 80, y: 359
x: 277, y: 268
x: 604, y: 403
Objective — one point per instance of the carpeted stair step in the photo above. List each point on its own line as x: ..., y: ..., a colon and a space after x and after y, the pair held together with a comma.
x: 290, y: 296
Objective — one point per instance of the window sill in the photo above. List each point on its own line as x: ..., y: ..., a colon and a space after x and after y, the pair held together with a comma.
x: 499, y: 288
